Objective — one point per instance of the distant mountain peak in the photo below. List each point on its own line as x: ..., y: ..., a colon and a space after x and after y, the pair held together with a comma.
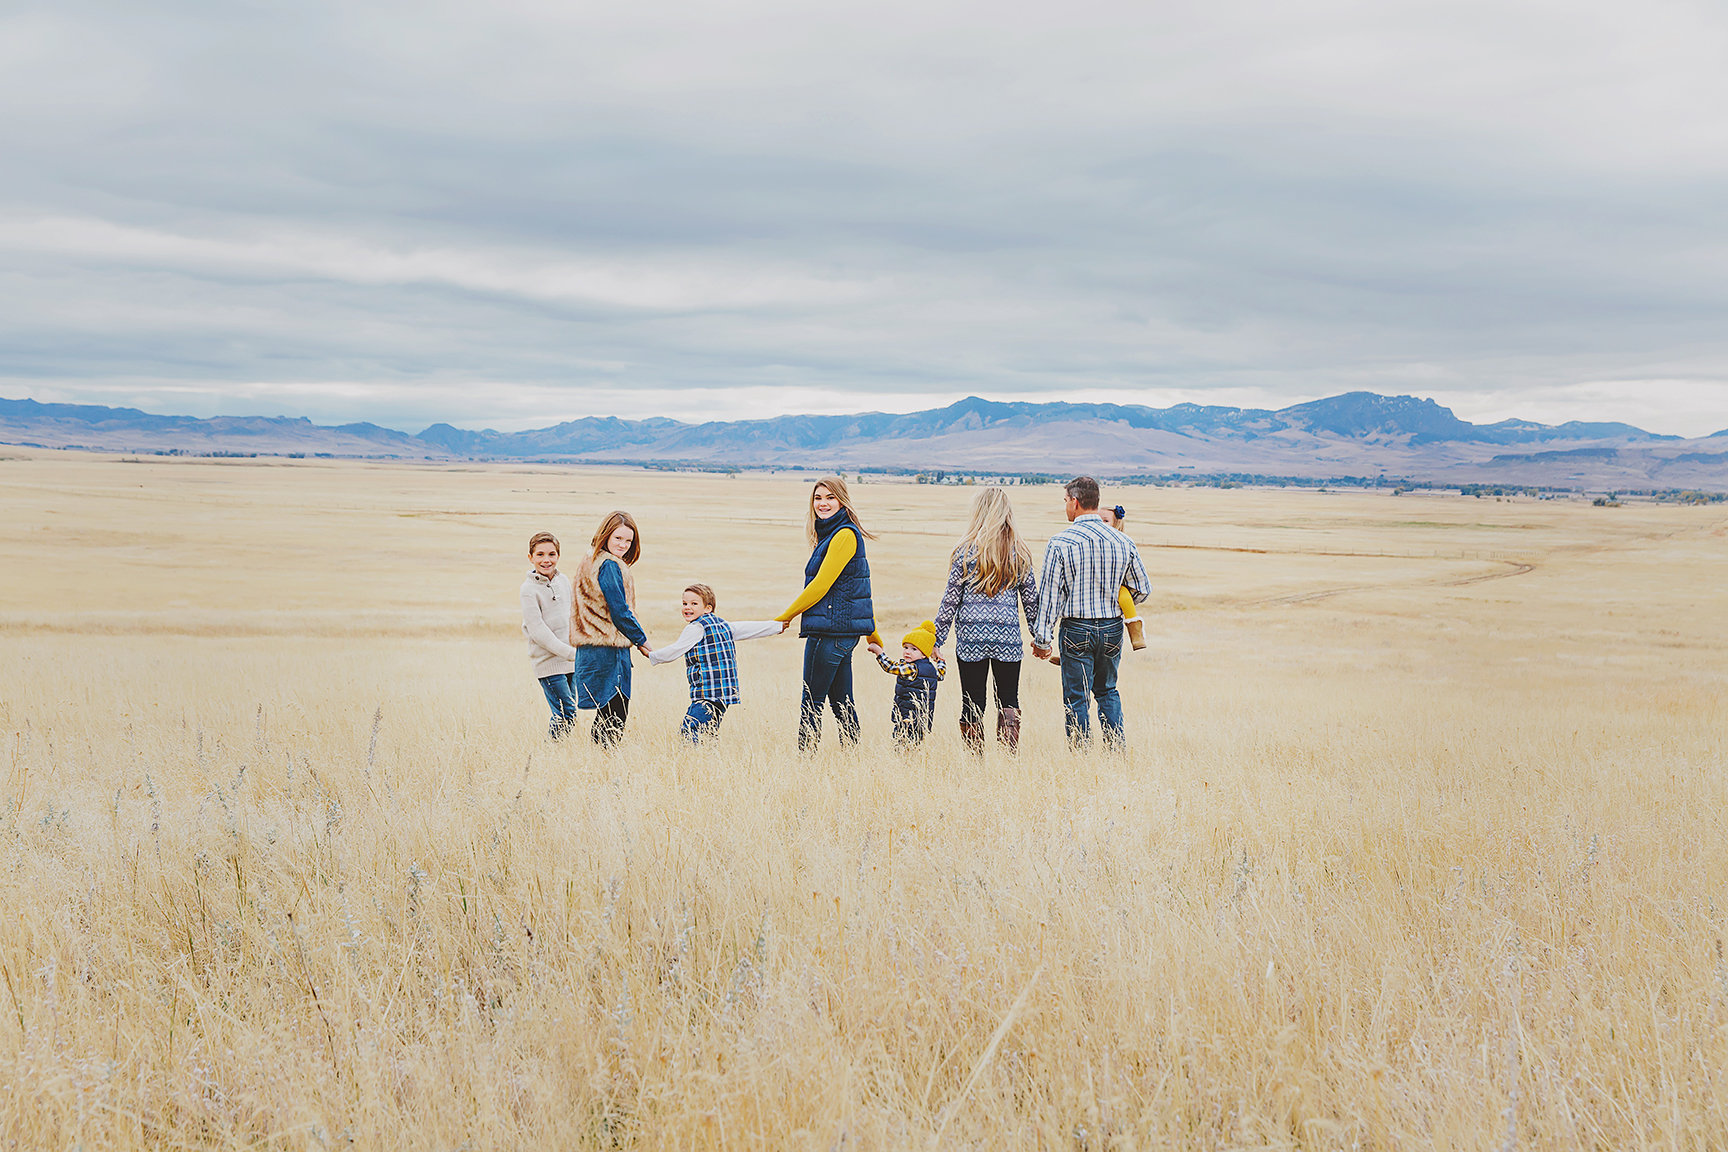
x: 1355, y: 433
x: 1359, y: 414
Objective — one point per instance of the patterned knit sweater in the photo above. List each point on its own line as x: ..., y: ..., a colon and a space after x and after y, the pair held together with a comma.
x: 985, y: 627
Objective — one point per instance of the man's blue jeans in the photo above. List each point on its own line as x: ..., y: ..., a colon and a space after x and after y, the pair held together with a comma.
x: 702, y: 720
x: 827, y: 679
x: 561, y: 697
x: 1091, y: 652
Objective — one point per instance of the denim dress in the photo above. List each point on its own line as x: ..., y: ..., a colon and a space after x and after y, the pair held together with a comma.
x: 603, y: 671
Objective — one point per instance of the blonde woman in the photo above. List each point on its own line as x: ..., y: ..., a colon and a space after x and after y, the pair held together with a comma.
x: 603, y: 627
x: 990, y: 586
x: 834, y: 610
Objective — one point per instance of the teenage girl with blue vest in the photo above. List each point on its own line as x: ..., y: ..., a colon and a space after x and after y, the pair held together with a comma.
x: 835, y: 611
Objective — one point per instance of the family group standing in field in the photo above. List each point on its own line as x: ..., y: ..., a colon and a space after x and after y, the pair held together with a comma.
x: 581, y: 629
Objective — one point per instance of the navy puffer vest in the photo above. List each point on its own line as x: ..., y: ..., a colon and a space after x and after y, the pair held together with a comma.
x: 847, y: 609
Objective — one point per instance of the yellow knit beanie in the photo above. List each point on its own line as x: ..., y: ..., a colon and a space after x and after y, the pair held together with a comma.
x: 922, y: 637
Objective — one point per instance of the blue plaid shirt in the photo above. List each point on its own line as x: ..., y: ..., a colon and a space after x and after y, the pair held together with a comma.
x: 713, y: 663
x: 709, y: 647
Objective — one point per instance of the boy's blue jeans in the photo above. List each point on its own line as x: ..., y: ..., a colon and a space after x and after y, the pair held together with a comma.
x: 561, y: 697
x: 827, y: 678
x: 1091, y: 652
x: 702, y: 720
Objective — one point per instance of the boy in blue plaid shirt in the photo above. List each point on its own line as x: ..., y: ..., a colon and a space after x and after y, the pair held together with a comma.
x: 711, y: 659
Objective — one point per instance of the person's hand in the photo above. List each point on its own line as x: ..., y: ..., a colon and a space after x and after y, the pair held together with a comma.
x: 784, y: 624
x: 1040, y: 653
x: 645, y: 650
x: 873, y: 649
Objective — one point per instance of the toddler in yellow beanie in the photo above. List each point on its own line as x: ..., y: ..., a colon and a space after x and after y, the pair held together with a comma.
x: 917, y: 673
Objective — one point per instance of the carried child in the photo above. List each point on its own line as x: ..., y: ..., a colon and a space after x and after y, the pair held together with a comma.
x: 916, y: 674
x: 1117, y: 518
x: 546, y: 597
x: 708, y: 645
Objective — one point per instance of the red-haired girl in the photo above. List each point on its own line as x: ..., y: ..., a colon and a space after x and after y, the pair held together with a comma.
x: 603, y: 627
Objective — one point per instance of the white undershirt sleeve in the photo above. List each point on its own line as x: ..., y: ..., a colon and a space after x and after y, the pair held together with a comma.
x: 687, y: 639
x: 753, y: 629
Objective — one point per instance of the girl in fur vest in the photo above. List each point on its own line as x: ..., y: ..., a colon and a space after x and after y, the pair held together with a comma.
x: 603, y: 626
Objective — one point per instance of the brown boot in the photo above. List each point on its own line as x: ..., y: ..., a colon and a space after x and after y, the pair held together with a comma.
x: 1008, y: 728
x: 972, y: 735
x: 1137, y: 633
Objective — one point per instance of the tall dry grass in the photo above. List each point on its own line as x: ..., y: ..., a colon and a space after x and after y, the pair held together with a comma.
x: 1425, y: 863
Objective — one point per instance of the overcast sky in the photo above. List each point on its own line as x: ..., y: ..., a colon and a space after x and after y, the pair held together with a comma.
x: 511, y: 213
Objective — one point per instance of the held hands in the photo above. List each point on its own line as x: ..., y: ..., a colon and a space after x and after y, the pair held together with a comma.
x: 645, y: 650
x: 873, y: 649
x: 784, y: 624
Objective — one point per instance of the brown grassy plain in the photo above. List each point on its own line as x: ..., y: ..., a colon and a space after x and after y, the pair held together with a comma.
x: 1413, y: 847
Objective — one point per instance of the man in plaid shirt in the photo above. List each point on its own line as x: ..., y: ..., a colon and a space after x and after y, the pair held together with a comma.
x: 1086, y: 565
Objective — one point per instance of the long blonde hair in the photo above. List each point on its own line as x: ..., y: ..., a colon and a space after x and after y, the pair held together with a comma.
x: 837, y: 486
x: 1002, y: 559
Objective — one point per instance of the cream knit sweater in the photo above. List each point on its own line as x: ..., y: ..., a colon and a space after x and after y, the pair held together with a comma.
x: 546, y: 623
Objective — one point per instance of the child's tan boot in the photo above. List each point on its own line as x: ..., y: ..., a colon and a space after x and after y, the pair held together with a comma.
x: 1137, y: 633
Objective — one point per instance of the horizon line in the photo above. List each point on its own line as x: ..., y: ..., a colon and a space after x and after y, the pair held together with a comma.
x: 861, y: 412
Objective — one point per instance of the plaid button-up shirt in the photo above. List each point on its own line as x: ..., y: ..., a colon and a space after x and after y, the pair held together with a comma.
x: 1086, y: 565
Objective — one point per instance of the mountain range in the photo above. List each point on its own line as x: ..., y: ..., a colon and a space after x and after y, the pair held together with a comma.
x: 1355, y: 434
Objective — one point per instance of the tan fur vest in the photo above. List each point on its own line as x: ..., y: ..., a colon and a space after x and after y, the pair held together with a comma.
x: 591, y: 622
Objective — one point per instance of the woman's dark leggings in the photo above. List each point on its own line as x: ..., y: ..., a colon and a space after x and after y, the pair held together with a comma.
x: 975, y: 677
x: 609, y: 721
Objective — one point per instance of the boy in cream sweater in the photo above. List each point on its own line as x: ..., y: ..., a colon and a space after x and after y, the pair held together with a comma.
x: 546, y: 597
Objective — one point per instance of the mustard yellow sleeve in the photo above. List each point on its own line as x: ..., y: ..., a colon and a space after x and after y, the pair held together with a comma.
x: 1126, y: 600
x: 841, y: 549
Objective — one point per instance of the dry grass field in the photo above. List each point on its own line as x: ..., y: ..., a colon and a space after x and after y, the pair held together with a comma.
x: 1419, y: 841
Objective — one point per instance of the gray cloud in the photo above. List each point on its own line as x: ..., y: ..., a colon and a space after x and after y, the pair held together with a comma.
x: 524, y: 212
